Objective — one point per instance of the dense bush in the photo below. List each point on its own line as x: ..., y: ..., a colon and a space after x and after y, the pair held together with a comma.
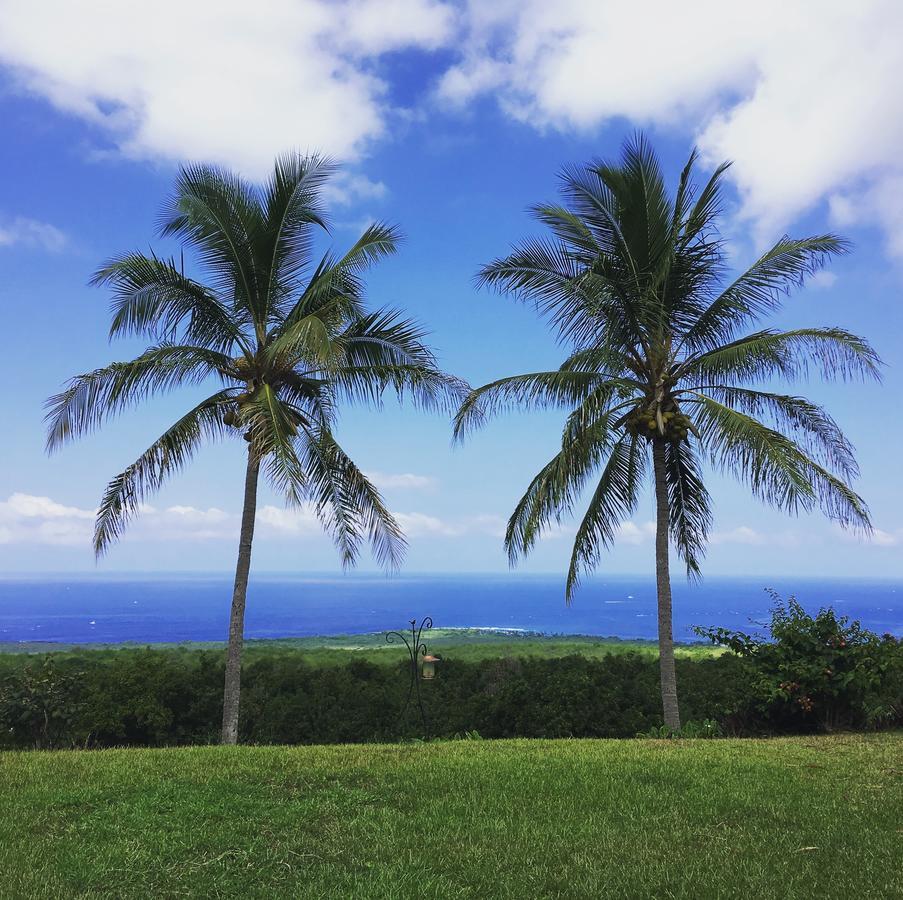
x: 816, y: 672
x: 820, y: 672
x: 157, y: 697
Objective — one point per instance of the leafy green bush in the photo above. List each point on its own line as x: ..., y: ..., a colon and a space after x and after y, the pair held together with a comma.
x: 160, y: 697
x: 817, y: 672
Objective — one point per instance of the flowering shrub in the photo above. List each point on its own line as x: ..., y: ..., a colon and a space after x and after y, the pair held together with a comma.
x: 818, y: 671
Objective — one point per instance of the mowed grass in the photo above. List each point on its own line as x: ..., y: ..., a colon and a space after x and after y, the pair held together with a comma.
x: 802, y: 817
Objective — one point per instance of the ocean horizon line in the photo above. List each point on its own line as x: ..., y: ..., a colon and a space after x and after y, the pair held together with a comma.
x: 376, y: 575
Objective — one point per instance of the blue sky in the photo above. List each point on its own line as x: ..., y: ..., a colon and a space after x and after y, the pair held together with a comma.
x: 450, y: 120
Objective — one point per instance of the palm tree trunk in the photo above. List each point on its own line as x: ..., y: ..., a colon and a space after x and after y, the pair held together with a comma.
x: 663, y: 583
x: 239, y: 596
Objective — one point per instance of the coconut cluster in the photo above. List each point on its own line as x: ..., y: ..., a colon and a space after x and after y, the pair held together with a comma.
x: 675, y: 426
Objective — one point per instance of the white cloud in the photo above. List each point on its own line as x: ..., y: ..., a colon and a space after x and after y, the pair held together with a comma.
x: 742, y: 534
x: 879, y: 537
x: 25, y: 518
x: 405, y: 480
x: 887, y: 538
x: 881, y: 201
x: 29, y: 519
x: 631, y: 533
x: 301, y: 521
x: 346, y: 187
x: 803, y: 96
x: 24, y: 232
x: 823, y: 279
x: 417, y: 525
x: 230, y: 82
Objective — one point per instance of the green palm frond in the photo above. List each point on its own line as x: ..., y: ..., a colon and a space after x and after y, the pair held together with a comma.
x: 535, y: 390
x: 170, y: 453
x: 272, y: 426
x: 308, y: 343
x: 613, y: 502
x: 349, y: 506
x: 335, y: 290
x: 762, y: 288
x: 556, y: 488
x: 153, y: 298
x: 92, y: 398
x: 808, y: 424
x: 292, y: 205
x: 777, y: 470
x: 220, y: 217
x: 689, y: 504
x: 704, y: 215
x: 788, y: 354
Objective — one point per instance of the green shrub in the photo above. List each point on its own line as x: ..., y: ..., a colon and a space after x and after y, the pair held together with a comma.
x: 816, y: 672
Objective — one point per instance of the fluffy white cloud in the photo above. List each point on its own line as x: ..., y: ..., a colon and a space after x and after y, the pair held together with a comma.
x: 418, y: 525
x: 275, y: 520
x: 803, y: 96
x: 742, y: 534
x: 631, y: 533
x: 28, y: 519
x: 823, y: 279
x: 883, y: 538
x: 229, y: 81
x: 24, y: 232
x: 879, y: 537
x: 25, y: 518
x: 406, y: 480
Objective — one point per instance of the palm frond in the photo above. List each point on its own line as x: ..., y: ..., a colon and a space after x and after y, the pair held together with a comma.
x: 349, y: 506
x: 761, y: 288
x: 777, y: 470
x: 689, y: 504
x: 170, y: 453
x: 219, y: 214
x: 272, y: 426
x: 787, y: 354
x: 535, y: 390
x: 152, y: 297
x: 292, y: 208
x: 612, y: 503
x: 335, y: 290
x: 556, y: 488
x: 808, y: 424
x: 94, y: 397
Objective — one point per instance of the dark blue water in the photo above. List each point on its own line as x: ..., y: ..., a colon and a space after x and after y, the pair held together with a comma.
x: 112, y: 609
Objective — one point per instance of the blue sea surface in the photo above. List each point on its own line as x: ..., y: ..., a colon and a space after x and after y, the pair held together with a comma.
x: 112, y: 609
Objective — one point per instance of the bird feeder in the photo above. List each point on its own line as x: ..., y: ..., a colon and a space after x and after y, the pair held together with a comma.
x: 428, y: 667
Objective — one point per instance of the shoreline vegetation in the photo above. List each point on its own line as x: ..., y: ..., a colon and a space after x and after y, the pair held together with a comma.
x: 467, y: 644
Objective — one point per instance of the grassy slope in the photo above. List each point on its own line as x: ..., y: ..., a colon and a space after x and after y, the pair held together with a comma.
x: 462, y: 644
x: 800, y: 817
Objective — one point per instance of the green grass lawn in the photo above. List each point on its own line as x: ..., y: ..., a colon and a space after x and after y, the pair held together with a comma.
x: 465, y: 644
x: 803, y: 817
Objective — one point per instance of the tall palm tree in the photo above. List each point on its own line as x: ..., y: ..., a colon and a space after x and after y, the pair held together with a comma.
x: 286, y: 338
x: 660, y: 365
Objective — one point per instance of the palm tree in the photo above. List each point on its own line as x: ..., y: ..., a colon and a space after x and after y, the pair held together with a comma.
x: 633, y: 280
x: 286, y: 338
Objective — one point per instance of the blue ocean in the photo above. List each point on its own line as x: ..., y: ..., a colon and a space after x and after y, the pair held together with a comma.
x: 111, y: 609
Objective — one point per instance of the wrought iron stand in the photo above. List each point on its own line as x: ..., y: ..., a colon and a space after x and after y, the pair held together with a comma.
x: 416, y: 649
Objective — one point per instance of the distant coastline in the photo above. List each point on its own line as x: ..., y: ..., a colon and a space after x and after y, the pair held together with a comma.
x: 171, y: 608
